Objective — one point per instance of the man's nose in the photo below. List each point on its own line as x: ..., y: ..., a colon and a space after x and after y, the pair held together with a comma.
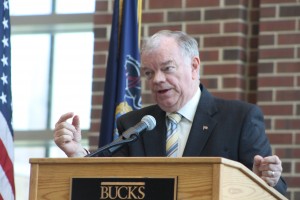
x: 159, y: 77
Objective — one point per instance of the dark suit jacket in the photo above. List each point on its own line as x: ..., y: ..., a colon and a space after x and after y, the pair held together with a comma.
x: 235, y: 131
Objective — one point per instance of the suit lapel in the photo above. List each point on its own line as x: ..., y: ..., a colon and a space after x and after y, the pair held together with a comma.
x: 202, y: 126
x: 155, y: 140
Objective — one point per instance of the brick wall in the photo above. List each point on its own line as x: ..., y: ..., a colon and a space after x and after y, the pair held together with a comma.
x: 278, y: 86
x: 249, y: 50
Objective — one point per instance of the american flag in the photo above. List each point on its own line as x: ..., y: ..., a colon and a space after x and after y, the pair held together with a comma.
x: 7, y: 186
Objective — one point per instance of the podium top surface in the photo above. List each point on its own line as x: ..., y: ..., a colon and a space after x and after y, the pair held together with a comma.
x: 159, y: 161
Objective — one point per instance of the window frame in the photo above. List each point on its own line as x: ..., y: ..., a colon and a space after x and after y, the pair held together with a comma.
x: 49, y: 24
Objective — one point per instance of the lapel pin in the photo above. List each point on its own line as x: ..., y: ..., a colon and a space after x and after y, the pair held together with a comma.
x: 205, y: 128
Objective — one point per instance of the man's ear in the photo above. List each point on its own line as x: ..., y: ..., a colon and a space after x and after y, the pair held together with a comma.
x: 196, y: 67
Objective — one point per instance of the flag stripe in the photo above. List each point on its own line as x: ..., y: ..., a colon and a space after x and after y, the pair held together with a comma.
x: 6, y: 136
x: 6, y: 163
x: 6, y: 191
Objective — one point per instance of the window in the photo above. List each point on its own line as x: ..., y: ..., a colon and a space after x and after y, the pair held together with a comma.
x: 52, y: 60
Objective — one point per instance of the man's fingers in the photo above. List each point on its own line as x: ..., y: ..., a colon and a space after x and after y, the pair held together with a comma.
x: 271, y: 160
x: 76, y: 122
x: 270, y: 173
x: 65, y: 126
x: 64, y: 118
x: 270, y: 181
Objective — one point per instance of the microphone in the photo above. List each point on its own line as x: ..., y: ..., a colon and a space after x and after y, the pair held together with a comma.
x: 147, y: 123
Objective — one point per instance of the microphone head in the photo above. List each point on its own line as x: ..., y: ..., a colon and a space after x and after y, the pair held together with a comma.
x: 149, y: 121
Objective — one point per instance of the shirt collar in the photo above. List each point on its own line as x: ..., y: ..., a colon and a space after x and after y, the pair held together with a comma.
x: 189, y: 109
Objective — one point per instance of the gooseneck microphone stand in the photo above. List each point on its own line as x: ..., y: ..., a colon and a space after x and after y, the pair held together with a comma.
x: 109, y: 149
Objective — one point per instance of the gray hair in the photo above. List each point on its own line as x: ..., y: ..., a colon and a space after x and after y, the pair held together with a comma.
x: 187, y: 44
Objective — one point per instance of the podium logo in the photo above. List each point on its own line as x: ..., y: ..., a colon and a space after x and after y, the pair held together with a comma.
x: 122, y: 190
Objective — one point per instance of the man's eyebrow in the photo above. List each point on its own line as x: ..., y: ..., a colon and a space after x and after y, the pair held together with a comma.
x: 166, y: 62
x: 161, y: 64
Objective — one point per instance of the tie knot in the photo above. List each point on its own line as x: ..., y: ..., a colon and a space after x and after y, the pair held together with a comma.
x: 175, y: 117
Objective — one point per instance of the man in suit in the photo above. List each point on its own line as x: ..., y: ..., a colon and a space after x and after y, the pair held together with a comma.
x: 209, y: 126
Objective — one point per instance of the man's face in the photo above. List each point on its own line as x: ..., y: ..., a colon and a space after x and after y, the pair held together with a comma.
x: 172, y: 78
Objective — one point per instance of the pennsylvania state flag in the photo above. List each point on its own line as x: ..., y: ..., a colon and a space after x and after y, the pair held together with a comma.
x: 122, y: 92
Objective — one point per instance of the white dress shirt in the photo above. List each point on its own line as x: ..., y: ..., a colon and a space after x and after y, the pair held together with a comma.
x: 188, y: 112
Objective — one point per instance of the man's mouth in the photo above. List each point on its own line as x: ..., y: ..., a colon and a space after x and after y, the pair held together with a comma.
x: 163, y: 91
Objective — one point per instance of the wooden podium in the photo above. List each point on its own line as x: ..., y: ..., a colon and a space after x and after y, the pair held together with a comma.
x: 197, y: 178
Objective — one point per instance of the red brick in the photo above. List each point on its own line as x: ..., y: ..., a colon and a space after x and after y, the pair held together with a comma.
x: 276, y: 53
x: 184, y: 16
x: 265, y: 68
x: 287, y: 124
x: 297, y: 167
x: 252, y: 70
x: 217, y: 69
x: 173, y: 27
x: 254, y: 43
x: 230, y: 95
x: 252, y: 97
x: 264, y: 96
x: 288, y: 95
x: 202, y: 3
x: 223, y: 41
x: 102, y: 18
x: 289, y: 38
x: 288, y: 67
x: 210, y: 83
x: 203, y: 28
x: 207, y: 55
x: 282, y: 25
x: 234, y: 54
x: 277, y: 110
x: 236, y: 2
x: 276, y: 81
x: 165, y: 4
x: 99, y: 72
x: 235, y: 27
x: 289, y: 11
x: 222, y: 14
x: 292, y: 181
x: 285, y: 152
x: 97, y: 100
x: 100, y: 33
x: 268, y: 12
x: 101, y: 5
x: 101, y: 45
x: 287, y: 168
x: 255, y: 3
x: 276, y: 1
x: 266, y: 40
x: 151, y: 17
x: 98, y: 86
x: 280, y: 138
x: 298, y: 138
x: 99, y: 59
x: 254, y: 15
x: 253, y: 56
x: 252, y: 84
x: 233, y: 83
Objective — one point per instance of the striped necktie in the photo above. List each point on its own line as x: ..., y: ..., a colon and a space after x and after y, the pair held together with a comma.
x: 172, y: 135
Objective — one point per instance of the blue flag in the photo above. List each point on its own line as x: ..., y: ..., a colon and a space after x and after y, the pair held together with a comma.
x: 7, y: 185
x: 122, y: 92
